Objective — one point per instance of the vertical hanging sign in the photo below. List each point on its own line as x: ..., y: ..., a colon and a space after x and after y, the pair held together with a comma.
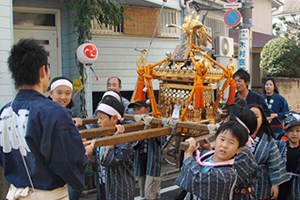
x: 244, y: 49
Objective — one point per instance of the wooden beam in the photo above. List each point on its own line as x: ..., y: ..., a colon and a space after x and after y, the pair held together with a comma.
x: 89, y: 121
x: 105, y: 131
x: 180, y: 124
x: 130, y: 137
x: 185, y: 145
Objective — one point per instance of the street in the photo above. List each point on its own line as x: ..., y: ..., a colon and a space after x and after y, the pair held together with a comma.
x: 168, y: 189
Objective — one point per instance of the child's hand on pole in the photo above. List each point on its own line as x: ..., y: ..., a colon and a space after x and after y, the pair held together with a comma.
x: 120, y: 129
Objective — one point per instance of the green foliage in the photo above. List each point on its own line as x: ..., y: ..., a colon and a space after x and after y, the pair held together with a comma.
x: 281, y: 57
x: 109, y: 12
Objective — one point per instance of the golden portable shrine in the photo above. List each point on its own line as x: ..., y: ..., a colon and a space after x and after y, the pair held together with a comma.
x: 186, y: 94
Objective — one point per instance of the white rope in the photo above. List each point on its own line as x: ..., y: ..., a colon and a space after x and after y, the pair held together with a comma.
x: 26, y: 168
x: 146, y: 119
x: 171, y: 122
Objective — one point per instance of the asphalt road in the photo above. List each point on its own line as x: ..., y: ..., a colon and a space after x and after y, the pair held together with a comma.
x: 168, y: 189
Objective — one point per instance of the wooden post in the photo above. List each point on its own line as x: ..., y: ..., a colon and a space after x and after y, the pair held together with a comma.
x: 131, y: 136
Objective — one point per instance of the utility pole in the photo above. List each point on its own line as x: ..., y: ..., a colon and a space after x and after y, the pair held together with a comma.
x: 245, y: 37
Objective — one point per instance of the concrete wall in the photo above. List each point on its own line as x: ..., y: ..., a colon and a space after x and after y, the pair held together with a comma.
x: 289, y: 88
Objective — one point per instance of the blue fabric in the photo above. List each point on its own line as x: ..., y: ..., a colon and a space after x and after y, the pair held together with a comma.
x: 119, y: 178
x: 215, y: 184
x: 50, y: 141
x: 271, y: 169
x: 277, y: 105
x: 294, y: 182
x: 246, y: 168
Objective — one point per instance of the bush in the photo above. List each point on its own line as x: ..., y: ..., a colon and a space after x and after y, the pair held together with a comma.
x: 281, y: 57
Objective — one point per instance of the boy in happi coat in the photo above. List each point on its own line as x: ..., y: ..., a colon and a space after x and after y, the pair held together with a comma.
x: 147, y: 158
x: 212, y: 175
x: 114, y: 162
x: 244, y: 162
x: 271, y: 171
x: 290, y: 152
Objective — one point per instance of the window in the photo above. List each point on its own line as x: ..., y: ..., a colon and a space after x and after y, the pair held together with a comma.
x: 169, y: 16
x: 219, y: 28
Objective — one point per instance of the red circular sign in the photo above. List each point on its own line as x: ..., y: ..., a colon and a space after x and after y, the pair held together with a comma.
x: 90, y: 51
x: 232, y: 17
x: 232, y: 1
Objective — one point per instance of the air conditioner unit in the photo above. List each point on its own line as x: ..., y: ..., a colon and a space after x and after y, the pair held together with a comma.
x: 223, y: 46
x: 208, y: 46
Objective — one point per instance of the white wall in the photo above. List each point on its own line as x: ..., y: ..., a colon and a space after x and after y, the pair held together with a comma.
x: 117, y: 57
x: 6, y: 30
x: 262, y: 16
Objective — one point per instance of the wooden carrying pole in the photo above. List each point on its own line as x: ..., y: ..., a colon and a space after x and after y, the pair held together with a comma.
x: 105, y: 131
x: 132, y: 136
x: 201, y: 139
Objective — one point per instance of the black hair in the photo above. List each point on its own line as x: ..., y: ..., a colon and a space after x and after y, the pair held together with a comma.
x: 110, y: 96
x: 265, y: 126
x: 71, y: 104
x: 112, y: 102
x: 275, y: 87
x: 243, y: 75
x: 245, y: 115
x: 25, y: 60
x: 119, y: 80
x: 237, y: 130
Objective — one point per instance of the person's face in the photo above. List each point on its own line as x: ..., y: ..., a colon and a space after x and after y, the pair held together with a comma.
x: 258, y: 117
x: 293, y: 135
x: 226, y: 146
x: 269, y: 87
x: 62, y: 94
x: 140, y: 110
x: 103, y: 120
x: 113, y: 84
x: 241, y: 85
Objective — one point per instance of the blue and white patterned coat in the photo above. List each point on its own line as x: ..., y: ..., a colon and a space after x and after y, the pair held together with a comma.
x: 246, y: 168
x: 295, y: 189
x: 49, y: 141
x: 217, y: 183
x: 271, y: 169
x: 119, y: 178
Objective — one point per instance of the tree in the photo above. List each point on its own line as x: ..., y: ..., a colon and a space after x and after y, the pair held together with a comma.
x: 108, y: 12
x: 281, y: 57
x: 292, y: 26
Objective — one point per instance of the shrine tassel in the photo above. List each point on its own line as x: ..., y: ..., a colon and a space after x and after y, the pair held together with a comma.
x: 139, y: 94
x: 232, y: 89
x: 199, y: 94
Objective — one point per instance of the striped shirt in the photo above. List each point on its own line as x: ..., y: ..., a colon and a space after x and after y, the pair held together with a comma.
x: 271, y: 169
x: 215, y: 184
x: 119, y: 178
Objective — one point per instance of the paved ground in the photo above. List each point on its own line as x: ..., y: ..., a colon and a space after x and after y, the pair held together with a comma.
x: 168, y: 191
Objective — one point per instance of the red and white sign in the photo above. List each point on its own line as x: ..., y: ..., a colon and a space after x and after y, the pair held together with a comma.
x: 232, y: 17
x: 233, y: 5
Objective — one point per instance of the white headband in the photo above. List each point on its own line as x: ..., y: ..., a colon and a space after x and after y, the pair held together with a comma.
x: 111, y: 93
x: 60, y: 82
x: 109, y: 110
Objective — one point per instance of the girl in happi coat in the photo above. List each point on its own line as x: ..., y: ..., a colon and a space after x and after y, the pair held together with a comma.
x: 211, y: 175
x: 290, y: 152
x: 244, y: 162
x: 277, y: 105
x: 61, y: 90
x: 271, y: 171
x: 114, y: 162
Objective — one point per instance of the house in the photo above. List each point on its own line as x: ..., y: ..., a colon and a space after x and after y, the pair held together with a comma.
x: 51, y: 23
